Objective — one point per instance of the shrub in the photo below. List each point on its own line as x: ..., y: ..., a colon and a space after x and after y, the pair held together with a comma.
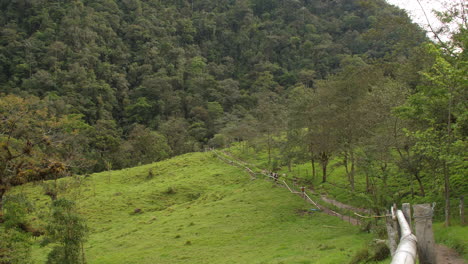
x: 360, y: 257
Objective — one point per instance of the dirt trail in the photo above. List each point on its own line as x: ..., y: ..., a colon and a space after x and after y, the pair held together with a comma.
x: 346, y: 218
x: 340, y: 204
x: 446, y: 255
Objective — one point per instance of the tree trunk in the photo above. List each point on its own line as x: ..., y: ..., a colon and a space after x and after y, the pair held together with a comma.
x: 324, y: 161
x: 345, y: 164
x: 447, y: 196
x: 367, y: 182
x: 421, y: 187
x: 324, y: 173
x: 269, y: 149
x: 446, y: 168
x: 351, y: 176
x: 2, y: 192
x: 383, y: 168
x: 312, y: 161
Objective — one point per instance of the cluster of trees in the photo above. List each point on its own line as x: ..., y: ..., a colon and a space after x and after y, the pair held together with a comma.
x: 38, y: 142
x: 400, y: 123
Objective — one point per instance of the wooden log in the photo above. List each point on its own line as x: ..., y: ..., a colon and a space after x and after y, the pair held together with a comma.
x: 423, y: 225
x: 406, y: 251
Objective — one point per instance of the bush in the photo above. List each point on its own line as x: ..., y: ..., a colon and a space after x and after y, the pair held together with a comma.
x: 380, y: 252
x: 360, y: 257
x: 377, y: 251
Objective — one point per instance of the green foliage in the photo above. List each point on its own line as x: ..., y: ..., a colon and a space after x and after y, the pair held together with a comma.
x: 361, y: 256
x: 142, y: 146
x: 15, y: 211
x: 36, y: 143
x: 15, y: 243
x: 218, y: 141
x: 107, y: 66
x: 15, y: 247
x: 374, y: 252
x: 68, y: 230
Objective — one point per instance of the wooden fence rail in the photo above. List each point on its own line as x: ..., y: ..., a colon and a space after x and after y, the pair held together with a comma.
x: 404, y: 252
x: 283, y: 183
x: 411, y: 247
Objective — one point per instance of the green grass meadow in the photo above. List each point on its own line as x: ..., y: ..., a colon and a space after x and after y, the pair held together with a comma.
x: 337, y: 187
x: 196, y: 209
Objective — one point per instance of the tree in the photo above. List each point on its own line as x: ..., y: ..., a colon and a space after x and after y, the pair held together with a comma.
x: 349, y: 90
x: 438, y: 114
x: 32, y: 141
x: 105, y: 139
x: 176, y: 132
x: 302, y: 108
x: 69, y: 231
x: 384, y: 130
x: 143, y: 146
x: 312, y: 111
x: 270, y: 115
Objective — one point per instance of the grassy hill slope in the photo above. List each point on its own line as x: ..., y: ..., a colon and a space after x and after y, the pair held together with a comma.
x: 196, y: 209
x: 337, y: 187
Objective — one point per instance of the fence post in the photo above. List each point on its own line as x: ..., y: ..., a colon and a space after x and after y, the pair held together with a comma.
x: 392, y: 233
x: 423, y: 225
x: 406, y: 209
x: 396, y: 226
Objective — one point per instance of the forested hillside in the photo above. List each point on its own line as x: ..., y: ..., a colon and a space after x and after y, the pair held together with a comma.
x: 179, y: 72
x: 349, y: 90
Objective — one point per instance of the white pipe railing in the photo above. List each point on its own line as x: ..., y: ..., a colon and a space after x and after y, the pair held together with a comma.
x: 406, y: 251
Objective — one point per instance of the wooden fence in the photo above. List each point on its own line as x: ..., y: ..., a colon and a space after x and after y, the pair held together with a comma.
x: 411, y: 246
x: 284, y: 182
x: 405, y: 246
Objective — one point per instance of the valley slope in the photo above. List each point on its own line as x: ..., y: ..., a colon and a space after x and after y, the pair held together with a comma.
x: 196, y: 209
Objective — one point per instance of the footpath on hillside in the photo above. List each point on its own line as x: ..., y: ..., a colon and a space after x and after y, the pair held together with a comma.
x: 445, y: 254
